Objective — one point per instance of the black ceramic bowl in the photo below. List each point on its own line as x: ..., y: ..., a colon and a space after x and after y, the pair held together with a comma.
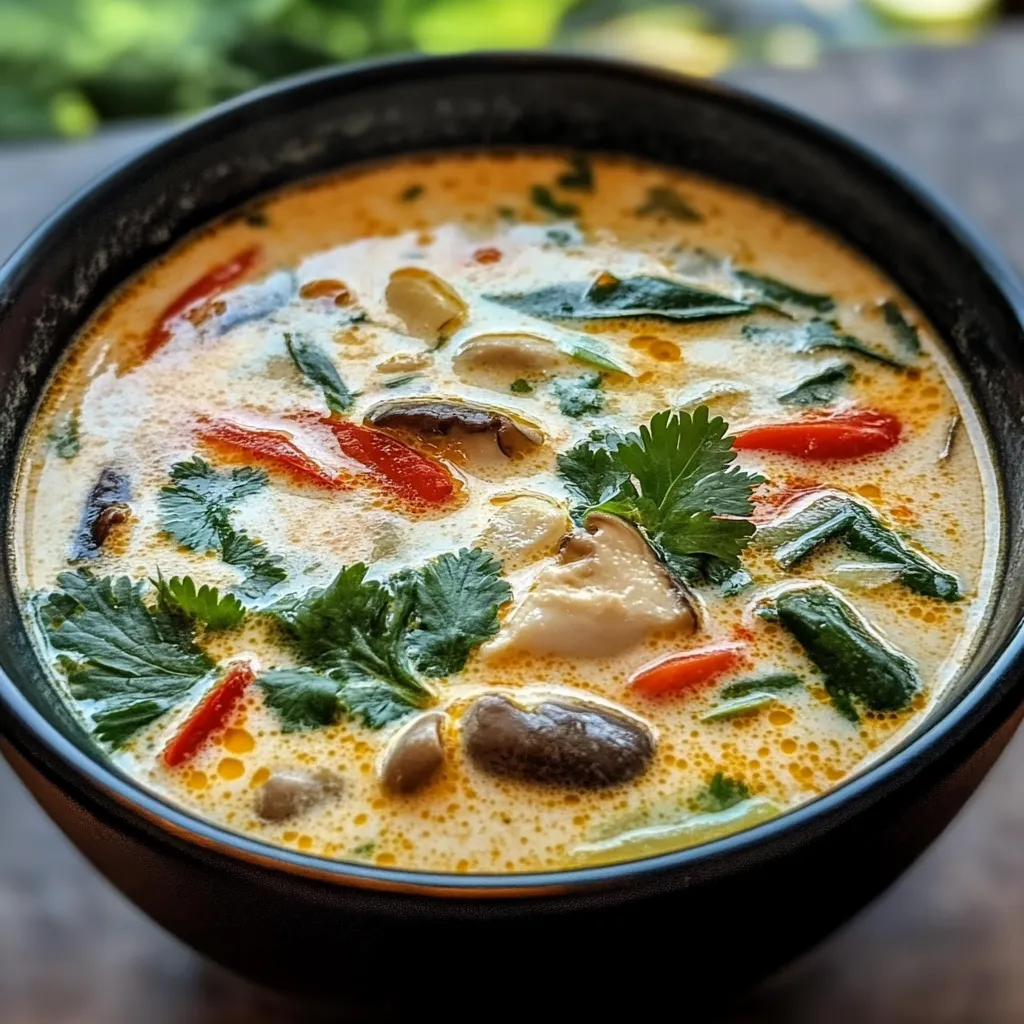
x: 719, y: 914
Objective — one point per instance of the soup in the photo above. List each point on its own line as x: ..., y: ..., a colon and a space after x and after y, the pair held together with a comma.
x: 504, y: 512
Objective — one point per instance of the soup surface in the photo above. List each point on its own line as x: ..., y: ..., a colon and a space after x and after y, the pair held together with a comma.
x: 497, y: 513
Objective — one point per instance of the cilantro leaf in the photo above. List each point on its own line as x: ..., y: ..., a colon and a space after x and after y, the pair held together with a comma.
x: 206, y: 605
x: 721, y: 793
x: 115, y: 651
x: 580, y: 396
x: 591, y: 474
x: 520, y: 386
x: 354, y: 632
x: 813, y: 335
x: 665, y: 201
x: 904, y: 332
x: 195, y: 510
x: 64, y: 437
x: 457, y: 598
x: 315, y: 365
x: 580, y: 175
x: 301, y: 699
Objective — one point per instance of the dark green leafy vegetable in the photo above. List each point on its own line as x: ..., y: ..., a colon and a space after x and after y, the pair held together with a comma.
x: 457, y: 598
x: 580, y: 396
x: 738, y: 707
x: 820, y: 389
x: 905, y: 333
x: 813, y: 335
x: 609, y: 297
x: 856, y: 664
x: 195, y: 510
x: 314, y: 364
x: 774, y: 291
x: 721, y: 793
x: 372, y: 638
x: 302, y: 699
x: 412, y: 192
x: 664, y: 201
x: 520, y: 386
x: 398, y: 382
x: 835, y: 516
x: 543, y: 198
x: 64, y: 437
x: 580, y: 176
x: 771, y: 683
x: 673, y: 480
x: 134, y: 662
x: 178, y: 596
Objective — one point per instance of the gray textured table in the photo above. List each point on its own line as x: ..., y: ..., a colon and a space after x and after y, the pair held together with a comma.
x: 946, y: 944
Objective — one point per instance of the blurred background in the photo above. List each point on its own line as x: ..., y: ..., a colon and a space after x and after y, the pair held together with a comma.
x: 67, y: 66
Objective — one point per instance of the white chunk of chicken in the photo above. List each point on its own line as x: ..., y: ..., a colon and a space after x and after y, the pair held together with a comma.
x: 604, y: 596
x: 524, y: 528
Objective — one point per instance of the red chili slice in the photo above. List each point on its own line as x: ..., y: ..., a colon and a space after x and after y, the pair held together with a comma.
x: 211, y: 715
x: 212, y: 283
x: 849, y: 436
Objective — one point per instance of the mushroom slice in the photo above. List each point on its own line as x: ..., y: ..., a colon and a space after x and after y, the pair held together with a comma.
x: 414, y: 754
x: 607, y: 592
x: 427, y: 305
x: 560, y: 741
x: 523, y: 528
x: 288, y: 794
x: 509, y: 353
x: 444, y: 417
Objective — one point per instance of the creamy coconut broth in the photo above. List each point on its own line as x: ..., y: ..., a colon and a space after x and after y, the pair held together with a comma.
x: 468, y: 619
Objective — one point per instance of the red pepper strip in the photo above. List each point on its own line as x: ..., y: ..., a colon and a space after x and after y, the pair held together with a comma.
x: 212, y: 714
x: 841, y: 437
x: 210, y: 284
x: 270, y: 447
x: 408, y: 471
x: 683, y: 671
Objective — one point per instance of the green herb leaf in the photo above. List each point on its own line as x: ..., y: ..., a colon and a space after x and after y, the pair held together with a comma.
x: 64, y: 438
x: 300, y: 698
x: 855, y: 663
x: 180, y: 596
x: 592, y: 475
x: 771, y: 683
x: 543, y: 198
x: 738, y: 707
x: 821, y: 388
x: 813, y: 335
x: 457, y: 598
x: 609, y: 297
x: 314, y: 364
x: 580, y: 396
x: 580, y: 176
x: 115, y: 651
x: 399, y: 382
x: 721, y: 793
x: 664, y: 201
x: 195, y: 510
x: 410, y: 193
x: 836, y: 516
x: 774, y: 291
x: 520, y: 386
x: 906, y: 335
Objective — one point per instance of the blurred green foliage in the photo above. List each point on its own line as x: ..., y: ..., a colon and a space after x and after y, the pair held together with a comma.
x: 66, y: 65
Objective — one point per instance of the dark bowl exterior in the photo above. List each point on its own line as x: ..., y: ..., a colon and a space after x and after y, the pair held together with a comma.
x: 294, y: 922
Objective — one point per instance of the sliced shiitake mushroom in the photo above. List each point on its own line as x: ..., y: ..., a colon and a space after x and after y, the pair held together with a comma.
x: 607, y: 592
x: 429, y: 308
x: 414, y: 755
x: 444, y: 417
x: 560, y: 741
x: 287, y: 794
x: 511, y: 353
x: 105, y: 507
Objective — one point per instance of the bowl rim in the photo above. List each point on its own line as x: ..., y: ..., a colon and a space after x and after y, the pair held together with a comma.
x: 77, y: 771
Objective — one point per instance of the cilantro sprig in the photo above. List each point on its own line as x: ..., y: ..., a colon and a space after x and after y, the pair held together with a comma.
x: 376, y: 642
x: 674, y: 479
x: 195, y: 509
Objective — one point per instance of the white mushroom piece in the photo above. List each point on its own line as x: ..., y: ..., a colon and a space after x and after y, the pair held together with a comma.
x: 429, y: 308
x: 449, y: 417
x: 605, y: 594
x: 523, y: 528
x: 508, y: 354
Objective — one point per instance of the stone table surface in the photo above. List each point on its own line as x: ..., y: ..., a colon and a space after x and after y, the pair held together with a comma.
x: 944, y: 945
